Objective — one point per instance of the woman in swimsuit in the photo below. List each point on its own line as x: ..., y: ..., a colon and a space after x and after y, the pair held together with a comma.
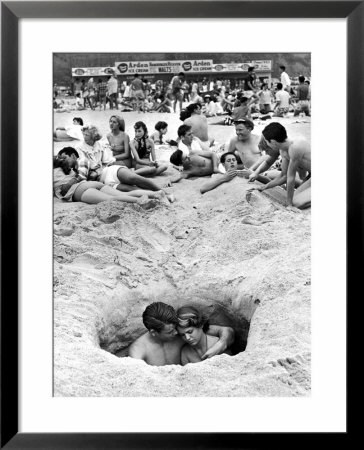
x: 161, y: 130
x: 192, y: 327
x: 92, y: 192
x: 142, y: 148
x: 119, y: 142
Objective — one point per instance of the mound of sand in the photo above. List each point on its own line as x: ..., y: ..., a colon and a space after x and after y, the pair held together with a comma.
x: 113, y: 259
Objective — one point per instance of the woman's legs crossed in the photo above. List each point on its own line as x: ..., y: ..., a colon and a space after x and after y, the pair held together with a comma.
x: 128, y: 177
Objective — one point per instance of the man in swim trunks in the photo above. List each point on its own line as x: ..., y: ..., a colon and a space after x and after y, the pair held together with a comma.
x: 177, y: 93
x: 112, y: 88
x: 162, y: 345
x: 196, y: 161
x: 303, y: 97
x: 137, y: 91
x: 296, y: 158
x: 249, y: 82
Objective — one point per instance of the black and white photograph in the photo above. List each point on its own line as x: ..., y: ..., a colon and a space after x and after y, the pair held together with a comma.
x: 182, y: 224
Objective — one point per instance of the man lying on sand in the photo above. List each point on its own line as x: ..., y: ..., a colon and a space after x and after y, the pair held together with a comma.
x: 231, y: 167
x: 296, y: 158
x: 196, y: 162
x: 195, y: 165
x: 161, y: 345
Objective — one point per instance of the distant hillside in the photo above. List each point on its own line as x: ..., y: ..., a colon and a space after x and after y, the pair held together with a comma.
x: 296, y: 63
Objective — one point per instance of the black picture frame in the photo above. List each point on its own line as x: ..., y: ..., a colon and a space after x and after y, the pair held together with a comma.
x: 11, y: 12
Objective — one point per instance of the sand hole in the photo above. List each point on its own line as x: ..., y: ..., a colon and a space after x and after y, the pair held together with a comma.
x: 116, y: 332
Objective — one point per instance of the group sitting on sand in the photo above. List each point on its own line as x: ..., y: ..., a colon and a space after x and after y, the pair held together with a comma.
x: 131, y: 165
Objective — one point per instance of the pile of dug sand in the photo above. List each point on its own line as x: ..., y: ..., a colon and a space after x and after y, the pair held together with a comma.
x: 112, y: 259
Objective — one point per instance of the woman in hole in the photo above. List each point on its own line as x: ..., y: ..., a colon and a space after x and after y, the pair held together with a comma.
x: 192, y: 327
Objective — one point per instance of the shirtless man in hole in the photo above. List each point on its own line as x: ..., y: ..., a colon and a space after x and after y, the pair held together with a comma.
x: 161, y: 345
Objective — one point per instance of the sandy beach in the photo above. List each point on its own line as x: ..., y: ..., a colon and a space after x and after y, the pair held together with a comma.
x: 112, y: 259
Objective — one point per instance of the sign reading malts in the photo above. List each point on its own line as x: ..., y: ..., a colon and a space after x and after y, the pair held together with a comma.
x: 172, y: 67
x: 92, y: 71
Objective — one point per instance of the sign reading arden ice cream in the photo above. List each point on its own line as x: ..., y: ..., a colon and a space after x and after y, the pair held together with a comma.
x: 155, y: 67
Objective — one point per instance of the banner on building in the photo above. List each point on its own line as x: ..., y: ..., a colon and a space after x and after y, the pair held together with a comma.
x: 260, y: 66
x: 92, y: 71
x: 163, y: 67
x: 171, y: 67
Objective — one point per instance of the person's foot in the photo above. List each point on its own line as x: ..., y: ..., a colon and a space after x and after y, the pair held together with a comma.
x: 162, y: 197
x: 167, y: 183
x: 171, y: 198
x: 145, y: 202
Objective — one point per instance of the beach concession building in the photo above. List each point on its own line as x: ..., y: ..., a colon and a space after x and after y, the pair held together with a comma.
x: 194, y: 69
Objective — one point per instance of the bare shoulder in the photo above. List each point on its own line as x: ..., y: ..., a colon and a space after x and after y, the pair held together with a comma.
x: 233, y: 141
x: 299, y: 146
x: 138, y: 348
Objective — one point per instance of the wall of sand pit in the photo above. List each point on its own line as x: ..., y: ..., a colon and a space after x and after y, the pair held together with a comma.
x: 112, y: 260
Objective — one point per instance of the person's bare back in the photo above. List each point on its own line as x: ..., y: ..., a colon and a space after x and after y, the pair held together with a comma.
x: 300, y: 150
x: 198, y: 123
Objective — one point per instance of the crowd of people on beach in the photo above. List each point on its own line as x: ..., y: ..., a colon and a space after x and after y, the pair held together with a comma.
x: 217, y: 97
x: 119, y: 167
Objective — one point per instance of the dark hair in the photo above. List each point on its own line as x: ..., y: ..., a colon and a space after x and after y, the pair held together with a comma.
x: 160, y: 125
x: 141, y: 125
x: 301, y: 78
x: 307, y: 81
x: 136, y: 75
x: 157, y: 315
x: 279, y: 86
x: 176, y: 157
x: 245, y: 121
x: 182, y: 130
x: 275, y: 131
x: 224, y: 156
x: 192, y: 107
x: 69, y: 151
x: 173, y: 143
x: 181, y: 74
x: 283, y: 68
x: 185, y: 114
x: 190, y: 316
x: 250, y: 69
x: 78, y: 120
